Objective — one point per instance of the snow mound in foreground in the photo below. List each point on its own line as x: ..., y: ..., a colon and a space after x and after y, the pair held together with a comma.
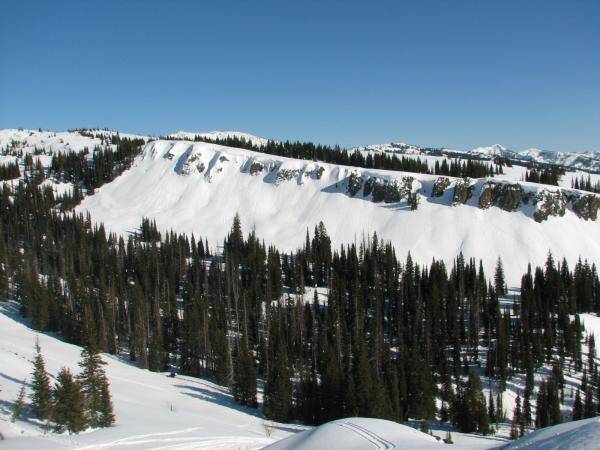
x: 580, y: 435
x: 358, y: 433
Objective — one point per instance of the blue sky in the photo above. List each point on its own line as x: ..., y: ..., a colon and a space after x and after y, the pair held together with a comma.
x: 452, y: 73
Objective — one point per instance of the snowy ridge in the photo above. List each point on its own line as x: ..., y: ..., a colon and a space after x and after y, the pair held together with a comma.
x: 256, y: 140
x: 197, y: 187
x: 48, y: 142
x: 589, y: 161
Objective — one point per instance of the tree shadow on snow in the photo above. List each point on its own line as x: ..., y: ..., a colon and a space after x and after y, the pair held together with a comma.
x: 216, y: 397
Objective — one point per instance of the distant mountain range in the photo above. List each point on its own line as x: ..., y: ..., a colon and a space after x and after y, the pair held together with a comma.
x: 589, y: 161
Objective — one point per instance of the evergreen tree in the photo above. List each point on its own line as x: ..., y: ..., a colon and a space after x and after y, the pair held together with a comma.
x: 577, y: 407
x: 94, y: 385
x: 41, y: 394
x: 68, y: 401
x: 19, y: 403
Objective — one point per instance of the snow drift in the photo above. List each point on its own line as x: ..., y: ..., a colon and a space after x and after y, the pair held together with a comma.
x: 578, y: 435
x: 358, y: 433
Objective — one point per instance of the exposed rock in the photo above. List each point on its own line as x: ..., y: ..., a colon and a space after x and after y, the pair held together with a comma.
x: 255, y: 168
x: 439, y: 186
x: 190, y: 166
x: 413, y: 200
x: 508, y: 196
x: 549, y: 204
x: 386, y: 191
x: 462, y: 191
x: 586, y: 206
x: 369, y: 185
x: 286, y: 175
x: 318, y: 172
x: 486, y: 199
x: 354, y: 184
x: 223, y: 158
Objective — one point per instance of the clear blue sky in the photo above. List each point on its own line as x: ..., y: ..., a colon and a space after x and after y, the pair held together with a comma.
x: 453, y: 73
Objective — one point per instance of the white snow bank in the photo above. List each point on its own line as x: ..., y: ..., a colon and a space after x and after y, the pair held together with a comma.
x: 578, y: 435
x: 358, y: 433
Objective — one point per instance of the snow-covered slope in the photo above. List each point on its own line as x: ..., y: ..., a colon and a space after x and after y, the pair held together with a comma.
x: 48, y: 142
x: 578, y: 435
x: 198, y: 187
x: 358, y: 433
x: 152, y: 409
x: 188, y: 135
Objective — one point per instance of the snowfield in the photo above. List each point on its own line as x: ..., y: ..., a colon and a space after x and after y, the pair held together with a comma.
x: 198, y: 187
x: 152, y: 410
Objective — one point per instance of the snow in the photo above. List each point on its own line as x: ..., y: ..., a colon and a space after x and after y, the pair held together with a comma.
x: 198, y: 187
x: 493, y: 151
x: 187, y: 135
x: 51, y: 142
x: 358, y: 433
x: 578, y: 435
x: 591, y: 323
x: 152, y: 409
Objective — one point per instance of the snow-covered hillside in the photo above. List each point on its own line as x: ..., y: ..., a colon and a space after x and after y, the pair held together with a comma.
x: 47, y: 142
x: 152, y: 410
x: 188, y: 135
x: 198, y: 187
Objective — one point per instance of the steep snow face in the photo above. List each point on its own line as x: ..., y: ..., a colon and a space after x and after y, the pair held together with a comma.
x: 256, y: 140
x: 580, y: 435
x: 152, y: 410
x: 198, y: 187
x: 358, y: 433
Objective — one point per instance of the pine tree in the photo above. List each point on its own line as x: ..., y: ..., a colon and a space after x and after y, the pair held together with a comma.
x: 469, y: 409
x: 278, y: 389
x: 68, y: 401
x: 19, y: 403
x: 94, y: 385
x: 499, y: 283
x: 41, y: 396
x: 577, y: 406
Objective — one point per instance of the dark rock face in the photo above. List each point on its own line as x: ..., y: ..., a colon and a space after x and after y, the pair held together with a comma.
x: 318, y: 172
x: 386, y: 191
x: 462, y: 191
x: 286, y: 175
x: 549, y: 204
x: 354, y: 184
x: 586, y: 206
x: 486, y: 199
x: 439, y: 186
x: 508, y: 196
x: 255, y: 168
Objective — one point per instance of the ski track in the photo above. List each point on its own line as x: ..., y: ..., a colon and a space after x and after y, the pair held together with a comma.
x: 377, y: 441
